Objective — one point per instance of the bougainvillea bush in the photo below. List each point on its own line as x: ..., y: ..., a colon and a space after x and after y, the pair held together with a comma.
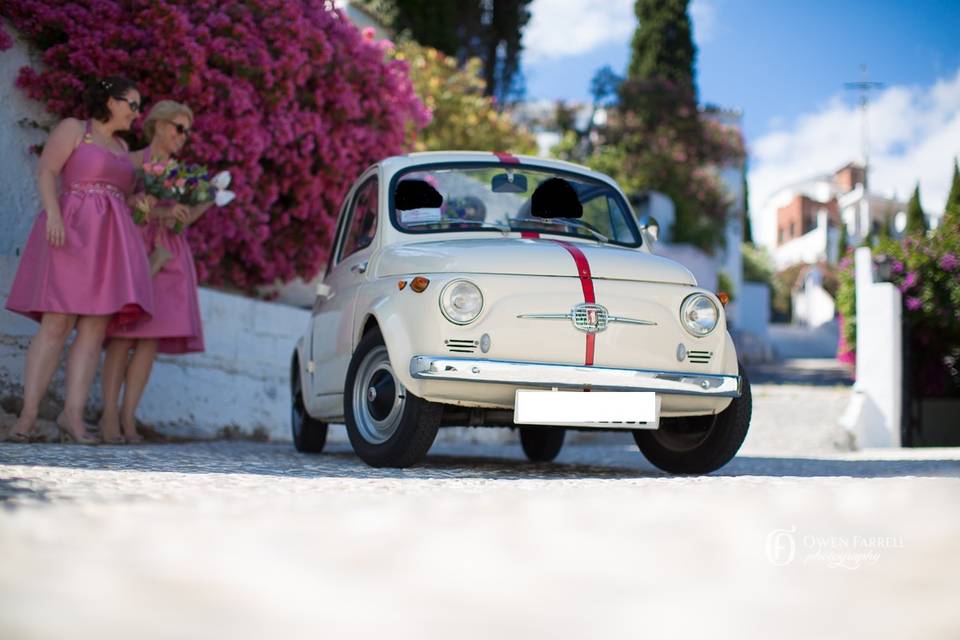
x: 926, y: 270
x: 288, y: 95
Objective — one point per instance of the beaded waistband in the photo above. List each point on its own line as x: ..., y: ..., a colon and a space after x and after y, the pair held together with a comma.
x: 95, y: 187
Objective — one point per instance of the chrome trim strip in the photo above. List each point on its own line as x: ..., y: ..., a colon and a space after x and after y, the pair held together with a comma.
x: 549, y: 375
x: 569, y: 316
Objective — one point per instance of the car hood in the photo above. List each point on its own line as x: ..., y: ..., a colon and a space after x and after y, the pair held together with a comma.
x: 529, y: 257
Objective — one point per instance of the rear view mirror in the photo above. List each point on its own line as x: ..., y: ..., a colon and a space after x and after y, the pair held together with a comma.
x: 508, y: 183
x: 416, y: 194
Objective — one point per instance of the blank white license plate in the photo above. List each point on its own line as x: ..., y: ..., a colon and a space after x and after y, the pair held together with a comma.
x: 605, y: 409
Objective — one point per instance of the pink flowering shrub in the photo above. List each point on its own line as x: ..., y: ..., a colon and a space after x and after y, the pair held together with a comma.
x: 5, y: 40
x: 926, y: 270
x: 288, y: 95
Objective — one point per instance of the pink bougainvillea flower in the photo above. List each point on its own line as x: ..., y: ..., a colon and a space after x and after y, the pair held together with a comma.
x: 288, y: 94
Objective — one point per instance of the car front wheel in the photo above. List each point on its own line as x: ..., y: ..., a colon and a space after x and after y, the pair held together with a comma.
x: 387, y: 425
x: 699, y: 444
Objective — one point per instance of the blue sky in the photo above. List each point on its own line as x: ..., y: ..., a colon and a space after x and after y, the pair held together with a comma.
x: 774, y: 60
x: 784, y: 65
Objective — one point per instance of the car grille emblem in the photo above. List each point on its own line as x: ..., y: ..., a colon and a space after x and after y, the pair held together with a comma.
x: 589, y: 317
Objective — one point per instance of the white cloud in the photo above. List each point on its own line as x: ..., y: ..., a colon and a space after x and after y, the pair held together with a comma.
x: 914, y: 134
x: 703, y: 14
x: 564, y: 28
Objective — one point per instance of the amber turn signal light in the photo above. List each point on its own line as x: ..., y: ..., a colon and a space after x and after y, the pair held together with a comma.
x: 724, y: 298
x: 419, y: 284
x: 402, y: 285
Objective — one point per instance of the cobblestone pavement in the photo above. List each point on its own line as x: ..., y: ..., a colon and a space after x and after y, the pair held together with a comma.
x: 797, y: 537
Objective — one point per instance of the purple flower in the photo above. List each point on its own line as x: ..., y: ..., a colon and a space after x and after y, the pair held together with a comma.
x: 949, y: 262
x: 909, y: 281
x: 896, y: 267
x: 913, y: 303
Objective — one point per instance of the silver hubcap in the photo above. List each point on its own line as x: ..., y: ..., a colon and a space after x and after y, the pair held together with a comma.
x: 378, y: 398
x: 686, y: 435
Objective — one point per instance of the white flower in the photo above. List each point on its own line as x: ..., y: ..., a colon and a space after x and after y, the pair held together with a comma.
x: 221, y: 181
x: 224, y: 197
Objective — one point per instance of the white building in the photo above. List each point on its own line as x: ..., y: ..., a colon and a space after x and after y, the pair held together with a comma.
x: 809, y: 215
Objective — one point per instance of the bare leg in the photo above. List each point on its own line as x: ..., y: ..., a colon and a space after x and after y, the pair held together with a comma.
x: 81, y: 367
x: 114, y: 370
x: 138, y: 374
x: 42, y: 357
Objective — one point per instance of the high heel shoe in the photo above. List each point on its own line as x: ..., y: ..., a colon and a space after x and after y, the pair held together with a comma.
x: 66, y: 436
x: 18, y: 438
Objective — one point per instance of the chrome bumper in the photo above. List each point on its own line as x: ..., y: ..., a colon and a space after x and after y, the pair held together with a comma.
x: 541, y: 374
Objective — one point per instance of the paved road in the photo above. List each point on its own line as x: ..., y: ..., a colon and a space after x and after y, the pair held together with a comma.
x: 797, y: 537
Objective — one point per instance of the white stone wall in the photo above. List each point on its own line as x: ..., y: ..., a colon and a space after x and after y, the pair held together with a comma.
x: 19, y: 201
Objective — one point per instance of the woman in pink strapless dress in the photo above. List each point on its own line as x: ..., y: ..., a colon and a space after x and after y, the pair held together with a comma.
x: 176, y: 325
x: 83, y: 263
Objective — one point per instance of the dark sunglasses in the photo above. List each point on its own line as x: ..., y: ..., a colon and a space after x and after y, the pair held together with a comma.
x: 182, y: 130
x: 134, y: 105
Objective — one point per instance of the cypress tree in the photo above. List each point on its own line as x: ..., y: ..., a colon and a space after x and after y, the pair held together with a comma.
x: 663, y: 44
x: 916, y: 220
x: 951, y: 212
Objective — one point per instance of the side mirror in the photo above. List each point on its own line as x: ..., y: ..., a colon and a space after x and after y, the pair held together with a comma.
x: 649, y: 224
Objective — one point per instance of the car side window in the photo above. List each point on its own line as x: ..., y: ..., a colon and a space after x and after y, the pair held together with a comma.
x: 362, y: 220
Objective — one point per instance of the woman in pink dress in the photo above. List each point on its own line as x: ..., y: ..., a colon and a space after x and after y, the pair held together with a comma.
x: 176, y: 325
x: 83, y: 263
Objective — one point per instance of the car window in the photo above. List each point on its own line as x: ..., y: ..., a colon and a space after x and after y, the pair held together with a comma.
x: 362, y: 220
x: 458, y: 197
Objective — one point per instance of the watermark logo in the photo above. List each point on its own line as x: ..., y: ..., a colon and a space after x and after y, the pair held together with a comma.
x: 783, y: 546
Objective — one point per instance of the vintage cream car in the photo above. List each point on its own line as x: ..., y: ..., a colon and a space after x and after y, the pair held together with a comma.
x: 481, y: 289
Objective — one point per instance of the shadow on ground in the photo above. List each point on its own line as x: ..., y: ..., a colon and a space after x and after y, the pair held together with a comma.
x: 445, y: 462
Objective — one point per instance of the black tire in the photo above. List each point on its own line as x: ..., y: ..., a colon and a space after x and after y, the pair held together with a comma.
x: 309, y: 434
x: 387, y: 425
x: 699, y: 444
x: 542, y: 444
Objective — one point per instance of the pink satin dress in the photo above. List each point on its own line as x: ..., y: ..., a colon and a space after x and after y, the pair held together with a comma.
x: 101, y: 269
x: 176, y: 320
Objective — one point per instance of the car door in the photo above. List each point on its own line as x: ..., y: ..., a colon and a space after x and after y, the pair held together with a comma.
x: 332, y: 339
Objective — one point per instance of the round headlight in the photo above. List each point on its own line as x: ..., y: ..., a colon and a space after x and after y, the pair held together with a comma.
x: 461, y: 301
x: 699, y: 314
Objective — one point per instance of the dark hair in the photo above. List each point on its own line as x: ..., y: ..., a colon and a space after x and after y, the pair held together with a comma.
x: 99, y: 93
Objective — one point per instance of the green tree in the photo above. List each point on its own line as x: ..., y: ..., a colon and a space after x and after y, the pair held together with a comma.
x: 657, y: 139
x: 916, y: 220
x: 491, y: 30
x: 844, y: 242
x: 662, y: 45
x: 951, y: 212
x: 463, y: 117
x: 747, y: 225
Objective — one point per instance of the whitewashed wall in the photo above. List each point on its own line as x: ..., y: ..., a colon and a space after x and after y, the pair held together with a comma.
x: 873, y: 415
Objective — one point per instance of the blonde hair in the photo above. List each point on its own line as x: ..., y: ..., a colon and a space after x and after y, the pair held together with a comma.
x: 164, y: 111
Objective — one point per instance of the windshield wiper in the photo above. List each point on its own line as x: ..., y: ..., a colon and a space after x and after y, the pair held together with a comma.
x: 563, y: 222
x: 499, y: 226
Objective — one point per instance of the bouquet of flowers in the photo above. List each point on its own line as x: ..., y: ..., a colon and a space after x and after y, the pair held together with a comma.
x: 184, y: 184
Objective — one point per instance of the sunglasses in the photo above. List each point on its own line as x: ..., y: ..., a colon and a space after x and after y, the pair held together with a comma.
x: 181, y: 130
x: 134, y: 105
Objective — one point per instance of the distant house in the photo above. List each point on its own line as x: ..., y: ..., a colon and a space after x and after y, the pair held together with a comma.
x: 809, y: 215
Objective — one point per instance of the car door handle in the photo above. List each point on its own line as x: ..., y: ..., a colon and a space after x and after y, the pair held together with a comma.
x: 360, y: 267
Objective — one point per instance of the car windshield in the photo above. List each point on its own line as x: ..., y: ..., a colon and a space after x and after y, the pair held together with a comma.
x: 504, y: 199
